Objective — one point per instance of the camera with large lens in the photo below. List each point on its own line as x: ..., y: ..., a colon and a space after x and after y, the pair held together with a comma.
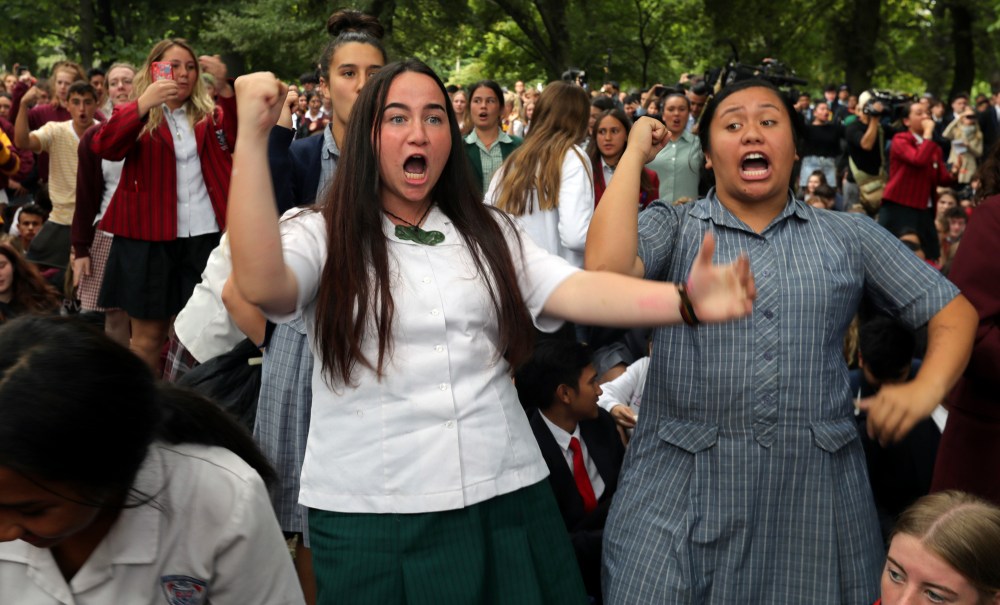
x: 892, y: 103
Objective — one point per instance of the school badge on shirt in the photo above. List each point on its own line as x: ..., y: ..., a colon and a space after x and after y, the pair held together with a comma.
x: 184, y: 590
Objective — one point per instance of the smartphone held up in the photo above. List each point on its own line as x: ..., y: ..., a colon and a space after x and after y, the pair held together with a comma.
x: 162, y: 70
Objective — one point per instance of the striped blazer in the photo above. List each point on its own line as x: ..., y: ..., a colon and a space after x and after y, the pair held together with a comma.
x: 145, y: 205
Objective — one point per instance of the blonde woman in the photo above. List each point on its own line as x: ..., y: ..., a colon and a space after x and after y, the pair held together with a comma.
x: 944, y: 549
x: 546, y: 183
x: 170, y: 206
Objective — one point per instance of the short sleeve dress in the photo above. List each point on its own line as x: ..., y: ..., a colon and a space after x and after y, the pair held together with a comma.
x: 745, y: 481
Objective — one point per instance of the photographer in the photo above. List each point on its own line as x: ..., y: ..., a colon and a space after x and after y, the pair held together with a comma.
x: 866, y: 151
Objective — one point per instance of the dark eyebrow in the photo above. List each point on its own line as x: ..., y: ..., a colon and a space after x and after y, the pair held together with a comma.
x: 406, y: 107
x: 16, y: 505
x: 742, y: 108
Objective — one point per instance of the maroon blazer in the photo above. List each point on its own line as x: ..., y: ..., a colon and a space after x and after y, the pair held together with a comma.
x: 145, y: 205
x: 969, y: 455
x: 915, y: 171
x: 89, y: 193
x: 600, y: 185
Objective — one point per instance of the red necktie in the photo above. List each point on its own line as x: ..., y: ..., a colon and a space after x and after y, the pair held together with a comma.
x: 580, y: 476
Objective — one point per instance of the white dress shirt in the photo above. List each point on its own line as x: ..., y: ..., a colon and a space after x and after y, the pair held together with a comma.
x: 627, y: 388
x: 443, y: 428
x: 209, y: 528
x: 562, y: 230
x: 563, y: 440
x: 195, y: 215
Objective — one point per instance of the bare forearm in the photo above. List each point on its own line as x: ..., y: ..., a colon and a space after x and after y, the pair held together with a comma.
x: 950, y: 336
x: 244, y: 314
x: 258, y: 263
x: 600, y: 298
x: 22, y: 134
x: 613, y: 238
x: 871, y: 135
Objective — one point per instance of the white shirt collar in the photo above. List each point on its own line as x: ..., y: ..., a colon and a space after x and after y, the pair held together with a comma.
x: 561, y: 436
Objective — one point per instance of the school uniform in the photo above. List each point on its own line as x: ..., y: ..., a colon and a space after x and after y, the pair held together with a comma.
x: 207, y: 535
x: 427, y: 482
x: 169, y: 207
x: 602, y: 452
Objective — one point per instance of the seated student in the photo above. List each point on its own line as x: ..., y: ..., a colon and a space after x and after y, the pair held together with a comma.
x: 945, y: 549
x: 114, y: 489
x: 900, y: 473
x: 30, y: 219
x: 824, y: 197
x: 579, y: 442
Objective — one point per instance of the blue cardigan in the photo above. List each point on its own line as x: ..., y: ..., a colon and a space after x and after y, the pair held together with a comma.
x: 295, y: 167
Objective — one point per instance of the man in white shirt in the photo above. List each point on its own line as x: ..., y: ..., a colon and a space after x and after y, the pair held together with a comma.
x: 60, y: 139
x: 579, y: 442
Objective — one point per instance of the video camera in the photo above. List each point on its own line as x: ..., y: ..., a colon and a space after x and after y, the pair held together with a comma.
x: 892, y: 103
x: 771, y: 70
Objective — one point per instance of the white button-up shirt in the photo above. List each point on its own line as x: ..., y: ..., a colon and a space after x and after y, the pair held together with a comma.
x: 443, y: 429
x: 195, y: 215
x: 209, y: 530
x: 562, y: 230
x: 563, y: 439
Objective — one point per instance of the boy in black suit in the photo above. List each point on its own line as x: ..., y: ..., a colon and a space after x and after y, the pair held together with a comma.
x: 579, y: 441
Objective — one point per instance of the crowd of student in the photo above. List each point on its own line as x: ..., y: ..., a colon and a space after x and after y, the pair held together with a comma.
x: 545, y: 345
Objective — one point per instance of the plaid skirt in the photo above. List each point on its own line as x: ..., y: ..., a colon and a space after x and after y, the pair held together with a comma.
x: 90, y: 285
x: 512, y: 548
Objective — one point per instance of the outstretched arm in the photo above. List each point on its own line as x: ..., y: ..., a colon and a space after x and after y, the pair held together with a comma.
x: 613, y: 238
x: 895, y: 409
x: 259, y: 267
x: 597, y: 298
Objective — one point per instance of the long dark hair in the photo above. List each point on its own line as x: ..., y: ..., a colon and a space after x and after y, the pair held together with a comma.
x: 77, y: 407
x: 32, y: 294
x: 645, y: 183
x: 988, y: 174
x: 355, y: 290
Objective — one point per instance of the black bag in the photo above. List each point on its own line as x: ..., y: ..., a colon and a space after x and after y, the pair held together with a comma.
x: 232, y: 380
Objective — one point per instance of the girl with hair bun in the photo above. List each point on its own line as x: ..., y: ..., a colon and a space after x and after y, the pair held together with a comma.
x: 944, y: 549
x: 114, y: 489
x: 301, y: 170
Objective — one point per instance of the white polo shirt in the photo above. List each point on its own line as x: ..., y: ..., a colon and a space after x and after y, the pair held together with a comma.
x: 208, y: 536
x: 443, y: 429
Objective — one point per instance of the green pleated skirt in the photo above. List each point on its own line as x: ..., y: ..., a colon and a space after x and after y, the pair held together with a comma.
x: 511, y: 549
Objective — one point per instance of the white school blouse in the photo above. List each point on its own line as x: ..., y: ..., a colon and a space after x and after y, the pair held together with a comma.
x: 443, y: 428
x: 562, y: 230
x: 208, y: 536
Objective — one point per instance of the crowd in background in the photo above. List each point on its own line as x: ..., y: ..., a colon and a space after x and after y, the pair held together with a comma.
x: 115, y: 188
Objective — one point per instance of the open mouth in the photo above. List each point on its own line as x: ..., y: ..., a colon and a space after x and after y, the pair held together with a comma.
x: 483, y: 116
x: 415, y: 167
x: 755, y: 165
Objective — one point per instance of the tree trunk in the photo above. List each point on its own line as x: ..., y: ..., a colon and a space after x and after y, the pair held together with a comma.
x: 857, y: 36
x: 552, y: 47
x: 88, y: 33
x: 965, y: 56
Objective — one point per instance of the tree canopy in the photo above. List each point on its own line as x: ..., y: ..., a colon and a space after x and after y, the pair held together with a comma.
x: 941, y: 46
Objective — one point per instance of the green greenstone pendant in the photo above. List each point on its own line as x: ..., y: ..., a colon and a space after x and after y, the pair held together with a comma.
x: 416, y: 234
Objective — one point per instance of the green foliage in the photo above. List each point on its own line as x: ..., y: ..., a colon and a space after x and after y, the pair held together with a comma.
x: 636, y: 42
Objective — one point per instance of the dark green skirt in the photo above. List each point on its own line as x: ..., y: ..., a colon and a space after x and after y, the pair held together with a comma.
x: 509, y: 549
